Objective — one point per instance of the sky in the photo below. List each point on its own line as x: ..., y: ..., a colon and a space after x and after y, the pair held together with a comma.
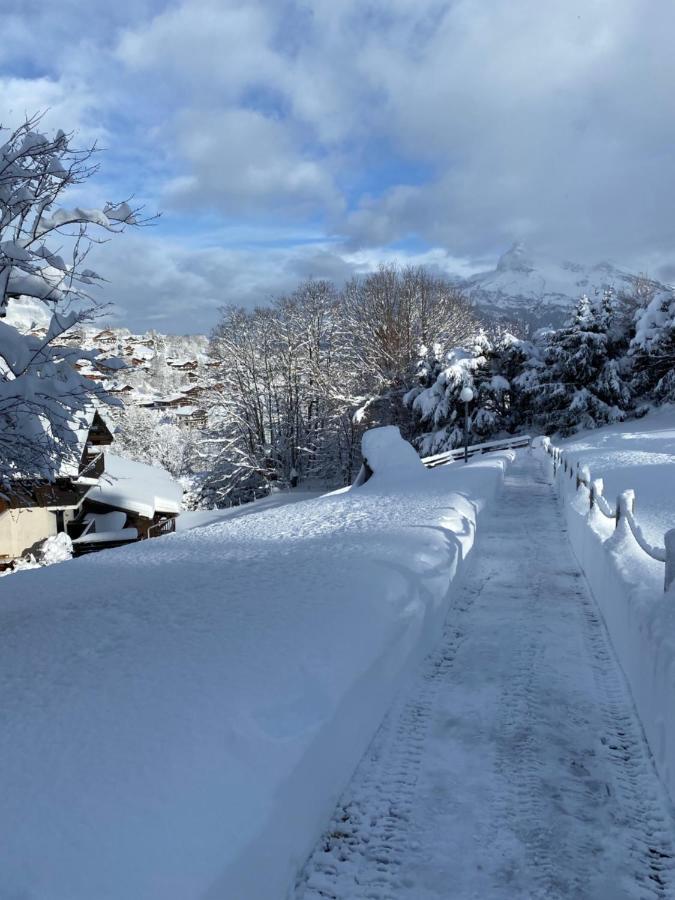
x: 282, y: 140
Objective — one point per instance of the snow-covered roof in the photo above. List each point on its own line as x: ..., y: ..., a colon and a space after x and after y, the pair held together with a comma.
x: 137, y: 487
x: 141, y: 352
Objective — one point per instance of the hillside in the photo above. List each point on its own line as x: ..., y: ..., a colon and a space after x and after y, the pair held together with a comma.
x: 160, y: 368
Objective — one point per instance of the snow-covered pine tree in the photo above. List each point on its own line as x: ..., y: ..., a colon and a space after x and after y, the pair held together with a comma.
x: 43, y: 253
x: 577, y: 377
x: 436, y: 400
x: 652, y: 350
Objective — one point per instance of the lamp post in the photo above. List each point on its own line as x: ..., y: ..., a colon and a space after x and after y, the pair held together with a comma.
x: 466, y: 397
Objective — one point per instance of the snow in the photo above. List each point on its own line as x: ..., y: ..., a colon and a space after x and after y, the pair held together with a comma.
x: 512, y: 766
x: 200, y: 517
x: 389, y: 456
x: 636, y: 454
x: 181, y: 715
x: 137, y: 487
x: 26, y: 313
x: 106, y: 537
x: 54, y: 549
x: 141, y: 352
x: 626, y: 582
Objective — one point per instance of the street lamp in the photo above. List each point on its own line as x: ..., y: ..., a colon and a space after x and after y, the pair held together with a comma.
x: 466, y: 397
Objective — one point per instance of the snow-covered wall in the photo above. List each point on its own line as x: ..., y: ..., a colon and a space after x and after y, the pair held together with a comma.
x: 179, y: 717
x: 640, y: 617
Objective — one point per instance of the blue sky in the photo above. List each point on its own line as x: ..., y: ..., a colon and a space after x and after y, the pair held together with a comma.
x: 282, y: 140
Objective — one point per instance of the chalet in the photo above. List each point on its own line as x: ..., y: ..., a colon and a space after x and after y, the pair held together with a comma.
x: 130, y: 502
x: 183, y: 365
x: 105, y: 337
x: 192, y: 416
x: 100, y: 501
x: 141, y: 355
x: 35, y: 511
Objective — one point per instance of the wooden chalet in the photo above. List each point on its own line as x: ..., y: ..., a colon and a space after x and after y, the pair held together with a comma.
x: 102, y: 501
x: 130, y: 502
x: 34, y: 511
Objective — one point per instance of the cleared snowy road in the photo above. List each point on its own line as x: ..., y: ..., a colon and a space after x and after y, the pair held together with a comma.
x: 514, y: 765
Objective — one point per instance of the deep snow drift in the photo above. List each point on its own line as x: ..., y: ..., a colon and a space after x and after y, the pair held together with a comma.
x: 180, y: 716
x: 626, y: 582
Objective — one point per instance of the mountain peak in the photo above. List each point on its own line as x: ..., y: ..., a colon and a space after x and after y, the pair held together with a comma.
x: 515, y: 259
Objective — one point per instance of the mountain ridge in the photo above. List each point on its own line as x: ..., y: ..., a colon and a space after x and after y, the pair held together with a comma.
x: 537, y: 292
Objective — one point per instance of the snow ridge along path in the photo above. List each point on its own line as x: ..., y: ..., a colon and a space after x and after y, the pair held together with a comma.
x: 513, y: 766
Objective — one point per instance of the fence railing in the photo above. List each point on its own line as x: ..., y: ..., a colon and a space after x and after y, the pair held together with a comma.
x: 440, y: 459
x: 166, y: 526
x: 622, y: 510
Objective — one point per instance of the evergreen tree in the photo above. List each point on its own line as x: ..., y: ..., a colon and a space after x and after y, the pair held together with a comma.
x: 578, y: 377
x: 652, y: 350
x: 436, y: 400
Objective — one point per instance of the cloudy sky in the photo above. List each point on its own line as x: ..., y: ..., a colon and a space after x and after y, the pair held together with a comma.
x: 285, y: 139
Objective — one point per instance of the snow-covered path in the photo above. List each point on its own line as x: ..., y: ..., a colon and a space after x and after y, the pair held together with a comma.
x: 513, y: 767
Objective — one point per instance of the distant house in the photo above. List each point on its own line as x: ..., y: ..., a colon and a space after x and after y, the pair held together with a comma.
x: 193, y: 416
x: 141, y: 356
x: 105, y: 337
x: 183, y: 364
x: 119, y: 389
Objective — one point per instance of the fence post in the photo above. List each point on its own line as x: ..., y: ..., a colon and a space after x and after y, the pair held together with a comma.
x: 625, y: 504
x: 670, y: 559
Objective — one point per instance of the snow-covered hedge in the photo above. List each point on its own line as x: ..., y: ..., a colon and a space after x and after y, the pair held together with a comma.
x: 640, y: 617
x: 180, y: 716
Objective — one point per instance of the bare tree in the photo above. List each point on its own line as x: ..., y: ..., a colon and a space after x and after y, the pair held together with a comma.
x: 299, y: 381
x: 395, y: 316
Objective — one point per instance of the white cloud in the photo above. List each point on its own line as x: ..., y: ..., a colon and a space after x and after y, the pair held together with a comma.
x: 462, y: 123
x: 242, y: 161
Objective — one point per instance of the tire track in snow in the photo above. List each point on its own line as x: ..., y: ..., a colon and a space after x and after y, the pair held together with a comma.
x: 515, y: 766
x: 360, y: 855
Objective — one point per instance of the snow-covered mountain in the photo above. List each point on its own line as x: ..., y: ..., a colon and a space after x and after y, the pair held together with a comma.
x: 537, y: 291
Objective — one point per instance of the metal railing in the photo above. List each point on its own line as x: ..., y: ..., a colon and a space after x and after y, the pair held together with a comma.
x: 166, y: 526
x: 623, y: 509
x: 440, y: 459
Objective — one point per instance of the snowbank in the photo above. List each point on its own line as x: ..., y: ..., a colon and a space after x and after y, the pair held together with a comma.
x: 180, y: 716
x: 390, y: 457
x: 628, y: 584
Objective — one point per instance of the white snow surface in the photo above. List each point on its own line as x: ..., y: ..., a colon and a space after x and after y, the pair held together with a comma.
x: 389, y: 456
x: 198, y: 518
x: 626, y: 582
x: 180, y: 716
x: 512, y: 765
x: 137, y: 487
